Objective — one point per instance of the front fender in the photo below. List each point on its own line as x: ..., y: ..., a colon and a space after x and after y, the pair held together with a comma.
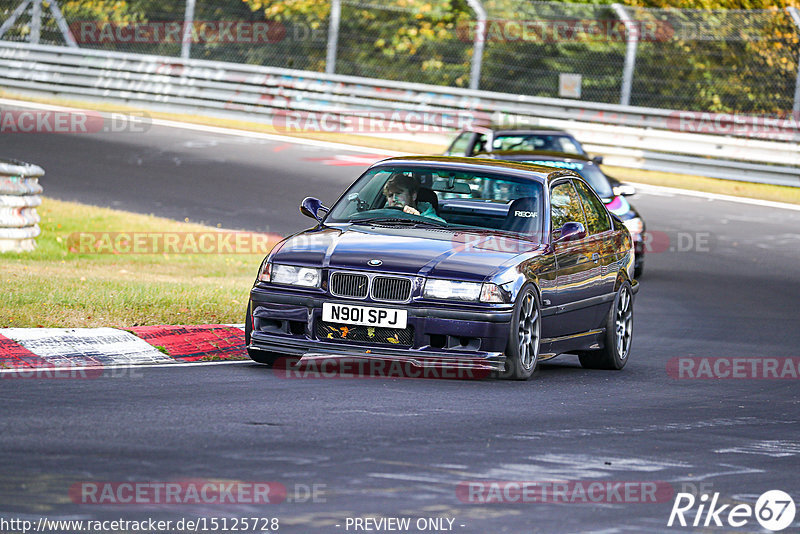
x: 532, y: 270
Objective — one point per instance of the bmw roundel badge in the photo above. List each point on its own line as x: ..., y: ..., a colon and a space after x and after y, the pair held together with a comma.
x: 374, y: 263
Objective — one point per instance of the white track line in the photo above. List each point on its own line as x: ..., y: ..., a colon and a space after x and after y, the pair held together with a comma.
x: 176, y: 363
x: 365, y: 150
x: 714, y: 196
x: 225, y: 131
x: 276, y: 137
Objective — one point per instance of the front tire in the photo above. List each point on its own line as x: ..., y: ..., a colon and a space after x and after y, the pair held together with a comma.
x: 619, y: 334
x: 524, y: 339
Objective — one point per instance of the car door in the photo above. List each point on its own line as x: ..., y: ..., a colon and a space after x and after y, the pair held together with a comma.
x: 600, y: 243
x: 577, y: 275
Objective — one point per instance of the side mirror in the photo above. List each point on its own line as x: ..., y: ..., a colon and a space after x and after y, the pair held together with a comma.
x: 310, y: 207
x: 598, y: 160
x: 571, y: 231
x: 624, y: 190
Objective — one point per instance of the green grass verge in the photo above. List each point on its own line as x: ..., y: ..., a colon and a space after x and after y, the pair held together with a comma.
x: 55, y: 287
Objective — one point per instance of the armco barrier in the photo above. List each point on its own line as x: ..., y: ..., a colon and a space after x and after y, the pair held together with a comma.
x: 628, y: 136
x: 19, y: 196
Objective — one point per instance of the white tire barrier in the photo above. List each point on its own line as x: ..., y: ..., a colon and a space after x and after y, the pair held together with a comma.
x: 19, y: 196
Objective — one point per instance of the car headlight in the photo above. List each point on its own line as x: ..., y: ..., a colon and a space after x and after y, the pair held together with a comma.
x: 466, y: 291
x: 634, y: 225
x: 291, y: 275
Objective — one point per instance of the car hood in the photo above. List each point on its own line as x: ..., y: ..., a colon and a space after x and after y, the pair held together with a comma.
x: 435, y: 252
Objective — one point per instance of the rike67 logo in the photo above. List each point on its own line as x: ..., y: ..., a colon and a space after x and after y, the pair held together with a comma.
x: 774, y: 510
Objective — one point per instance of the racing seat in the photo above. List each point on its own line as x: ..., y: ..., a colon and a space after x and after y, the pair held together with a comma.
x: 523, y: 216
x: 428, y: 195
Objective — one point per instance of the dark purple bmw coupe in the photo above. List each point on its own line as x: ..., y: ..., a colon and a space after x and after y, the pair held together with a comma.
x: 451, y: 262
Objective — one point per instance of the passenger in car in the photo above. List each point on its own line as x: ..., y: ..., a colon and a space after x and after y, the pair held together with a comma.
x: 401, y: 191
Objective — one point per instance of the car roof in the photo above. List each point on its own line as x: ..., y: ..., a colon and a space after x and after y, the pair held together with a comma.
x: 541, y: 154
x: 528, y: 130
x: 539, y: 173
x: 516, y: 130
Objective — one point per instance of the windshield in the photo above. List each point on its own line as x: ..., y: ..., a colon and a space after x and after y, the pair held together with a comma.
x: 590, y: 173
x: 443, y: 198
x: 536, y: 142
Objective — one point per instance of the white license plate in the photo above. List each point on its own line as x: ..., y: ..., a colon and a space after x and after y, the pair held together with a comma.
x: 363, y: 315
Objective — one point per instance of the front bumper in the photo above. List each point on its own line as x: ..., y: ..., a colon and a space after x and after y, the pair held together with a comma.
x: 310, y: 350
x: 443, y: 337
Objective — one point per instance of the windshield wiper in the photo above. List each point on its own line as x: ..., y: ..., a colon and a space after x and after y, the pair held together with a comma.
x: 372, y: 220
x: 397, y: 221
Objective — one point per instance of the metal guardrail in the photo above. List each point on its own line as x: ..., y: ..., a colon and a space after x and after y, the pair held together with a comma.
x: 628, y: 136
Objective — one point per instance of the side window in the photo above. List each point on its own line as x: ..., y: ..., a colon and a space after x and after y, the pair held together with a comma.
x: 568, y: 145
x: 480, y: 144
x: 565, y: 206
x: 459, y: 146
x: 596, y: 214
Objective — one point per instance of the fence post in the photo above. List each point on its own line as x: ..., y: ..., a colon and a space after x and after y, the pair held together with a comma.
x: 333, y: 36
x: 188, y: 26
x: 632, y: 41
x: 62, y: 25
x: 795, y: 14
x: 480, y: 40
x: 36, y: 21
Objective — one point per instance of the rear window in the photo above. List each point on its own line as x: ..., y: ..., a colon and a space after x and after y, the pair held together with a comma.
x: 588, y: 172
x: 533, y: 142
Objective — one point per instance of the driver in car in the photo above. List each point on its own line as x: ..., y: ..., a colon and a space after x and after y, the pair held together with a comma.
x: 401, y: 192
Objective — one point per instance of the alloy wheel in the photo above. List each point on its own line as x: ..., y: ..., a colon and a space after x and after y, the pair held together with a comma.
x: 528, y: 332
x: 624, y: 323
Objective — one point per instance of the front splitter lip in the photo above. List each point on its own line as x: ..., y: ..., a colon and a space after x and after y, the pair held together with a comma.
x: 309, y: 351
x: 451, y: 363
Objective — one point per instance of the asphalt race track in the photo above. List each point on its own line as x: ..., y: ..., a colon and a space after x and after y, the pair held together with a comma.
x: 725, y: 282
